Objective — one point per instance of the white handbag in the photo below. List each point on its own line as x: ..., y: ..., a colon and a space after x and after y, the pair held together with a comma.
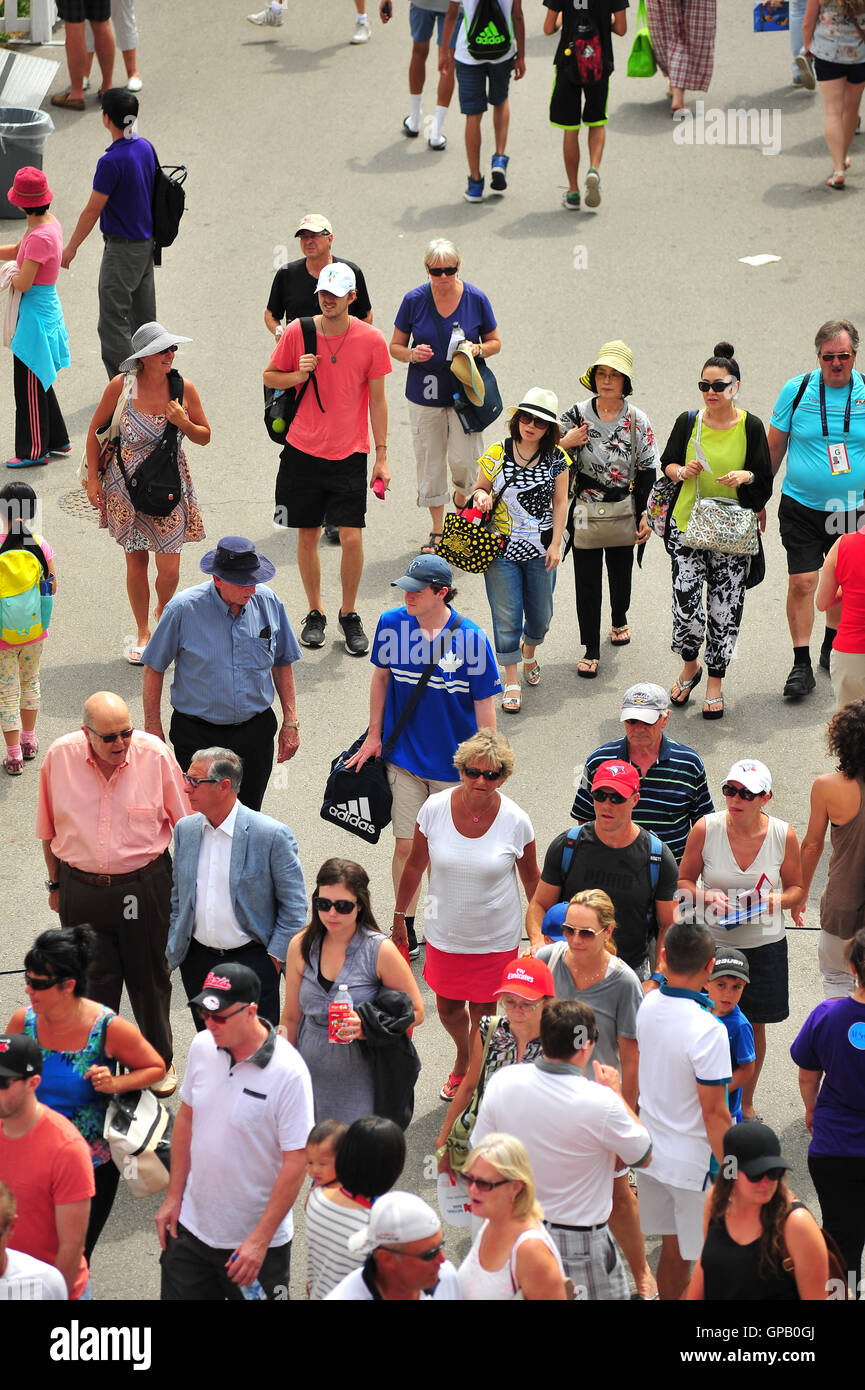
x: 110, y: 432
x: 720, y: 523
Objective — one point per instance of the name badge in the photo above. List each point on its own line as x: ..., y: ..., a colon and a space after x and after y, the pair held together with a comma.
x: 838, y: 460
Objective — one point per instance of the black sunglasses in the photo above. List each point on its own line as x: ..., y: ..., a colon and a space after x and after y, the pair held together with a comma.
x: 206, y: 1014
x: 718, y: 386
x: 535, y: 420
x: 199, y: 781
x: 483, y: 1184
x: 112, y: 738
x: 729, y: 790
x: 342, y: 905
x: 438, y: 270
x: 776, y: 1174
x: 33, y: 982
x: 615, y: 798
x: 835, y: 356
x: 426, y: 1255
x: 488, y: 774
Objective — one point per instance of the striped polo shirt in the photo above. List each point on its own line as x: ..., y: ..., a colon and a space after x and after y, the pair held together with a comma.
x: 673, y: 793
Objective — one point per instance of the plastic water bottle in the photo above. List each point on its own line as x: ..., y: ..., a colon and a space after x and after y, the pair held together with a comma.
x: 337, y: 1011
x: 254, y: 1292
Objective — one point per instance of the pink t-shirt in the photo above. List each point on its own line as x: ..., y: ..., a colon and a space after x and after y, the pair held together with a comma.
x: 45, y: 245
x: 850, y: 574
x: 361, y: 356
x: 48, y: 552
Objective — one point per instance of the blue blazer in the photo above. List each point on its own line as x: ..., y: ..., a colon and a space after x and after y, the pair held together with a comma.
x: 268, y: 894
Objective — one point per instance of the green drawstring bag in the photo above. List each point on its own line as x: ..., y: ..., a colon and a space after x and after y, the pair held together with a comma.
x: 641, y: 62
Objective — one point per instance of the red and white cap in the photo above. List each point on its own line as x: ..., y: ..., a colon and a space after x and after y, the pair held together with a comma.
x: 528, y: 978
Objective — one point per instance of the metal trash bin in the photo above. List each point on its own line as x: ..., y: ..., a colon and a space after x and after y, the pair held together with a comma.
x: 23, y: 133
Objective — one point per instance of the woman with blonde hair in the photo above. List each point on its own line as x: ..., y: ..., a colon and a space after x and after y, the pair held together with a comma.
x: 430, y: 323
x: 512, y: 1254
x: 475, y: 842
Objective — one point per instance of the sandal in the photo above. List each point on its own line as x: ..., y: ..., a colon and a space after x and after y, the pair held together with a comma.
x: 835, y: 181
x: 620, y: 636
x: 451, y: 1086
x: 531, y: 669
x: 14, y: 766
x: 431, y: 544
x: 511, y: 703
x: 29, y: 747
x: 587, y: 667
x: 714, y: 713
x: 684, y: 688
x: 68, y: 101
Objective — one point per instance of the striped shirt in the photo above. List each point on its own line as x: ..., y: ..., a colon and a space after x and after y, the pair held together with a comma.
x: 673, y: 793
x: 328, y: 1227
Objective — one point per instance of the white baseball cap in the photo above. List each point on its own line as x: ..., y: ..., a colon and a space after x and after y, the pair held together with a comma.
x: 337, y: 279
x: 752, y: 774
x: 396, y: 1219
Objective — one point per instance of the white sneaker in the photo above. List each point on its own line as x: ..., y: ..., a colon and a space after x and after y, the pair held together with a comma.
x: 268, y: 16
x: 362, y: 32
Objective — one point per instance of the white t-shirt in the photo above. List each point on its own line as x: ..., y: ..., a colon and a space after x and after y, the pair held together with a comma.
x: 572, y: 1129
x: 244, y: 1118
x: 215, y: 922
x: 354, y: 1287
x: 681, y: 1045
x: 464, y: 20
x: 28, y: 1278
x: 473, y: 883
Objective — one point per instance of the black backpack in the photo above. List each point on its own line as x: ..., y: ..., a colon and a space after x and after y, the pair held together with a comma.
x: 154, y: 487
x: 167, y: 205
x: 280, y: 403
x: 488, y: 37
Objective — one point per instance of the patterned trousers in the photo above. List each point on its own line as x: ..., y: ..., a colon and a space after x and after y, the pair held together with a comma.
x: 683, y: 36
x: 724, y: 578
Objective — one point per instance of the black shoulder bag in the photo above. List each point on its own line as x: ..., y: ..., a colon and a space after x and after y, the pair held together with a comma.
x: 154, y: 488
x: 281, y: 404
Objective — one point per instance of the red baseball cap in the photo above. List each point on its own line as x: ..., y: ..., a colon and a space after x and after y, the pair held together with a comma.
x: 527, y: 977
x: 618, y: 776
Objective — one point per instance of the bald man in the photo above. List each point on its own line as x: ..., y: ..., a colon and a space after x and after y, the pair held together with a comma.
x: 109, y: 797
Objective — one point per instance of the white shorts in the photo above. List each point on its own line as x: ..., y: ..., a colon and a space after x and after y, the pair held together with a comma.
x: 672, y: 1211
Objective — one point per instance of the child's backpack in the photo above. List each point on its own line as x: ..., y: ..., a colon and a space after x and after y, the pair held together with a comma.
x: 25, y: 598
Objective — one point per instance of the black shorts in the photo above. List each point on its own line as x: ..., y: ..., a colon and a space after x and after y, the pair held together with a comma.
x: 568, y: 96
x: 808, y: 535
x: 76, y: 11
x: 310, y: 491
x: 767, y: 998
x: 827, y: 72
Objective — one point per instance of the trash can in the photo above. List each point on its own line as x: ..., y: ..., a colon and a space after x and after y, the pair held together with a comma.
x: 23, y: 133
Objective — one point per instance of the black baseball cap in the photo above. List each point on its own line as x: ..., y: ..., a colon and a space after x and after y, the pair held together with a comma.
x: 231, y: 983
x: 755, y: 1148
x: 20, y: 1056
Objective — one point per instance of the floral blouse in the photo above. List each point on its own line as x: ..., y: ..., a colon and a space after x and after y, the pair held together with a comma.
x: 607, y: 454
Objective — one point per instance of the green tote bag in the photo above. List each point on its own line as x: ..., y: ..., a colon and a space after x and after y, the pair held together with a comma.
x: 641, y: 62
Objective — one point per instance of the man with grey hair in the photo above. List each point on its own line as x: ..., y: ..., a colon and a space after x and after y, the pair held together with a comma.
x: 819, y: 422
x: 238, y: 892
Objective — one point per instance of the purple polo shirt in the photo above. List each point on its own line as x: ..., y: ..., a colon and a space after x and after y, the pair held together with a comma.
x: 125, y: 173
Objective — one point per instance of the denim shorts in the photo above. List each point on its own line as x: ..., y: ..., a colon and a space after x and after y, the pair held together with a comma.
x: 483, y: 84
x: 422, y: 22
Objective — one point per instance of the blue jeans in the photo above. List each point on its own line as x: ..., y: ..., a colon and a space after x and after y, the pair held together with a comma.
x: 797, y: 14
x: 520, y: 595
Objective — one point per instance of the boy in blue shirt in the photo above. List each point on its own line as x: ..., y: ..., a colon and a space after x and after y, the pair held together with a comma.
x: 728, y: 979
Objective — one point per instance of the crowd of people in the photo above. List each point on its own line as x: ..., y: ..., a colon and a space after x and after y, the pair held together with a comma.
x: 606, y: 1068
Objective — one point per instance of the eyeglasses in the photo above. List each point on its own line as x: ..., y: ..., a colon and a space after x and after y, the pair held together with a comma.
x: 111, y: 738
x: 426, y: 1255
x: 438, y: 270
x: 341, y: 905
x: 534, y: 420
x: 482, y: 1184
x: 488, y: 774
x: 836, y: 356
x: 305, y: 235
x: 7, y: 1081
x: 209, y: 1017
x: 512, y: 1001
x: 718, y: 386
x: 584, y: 933
x: 615, y: 798
x: 730, y: 790
x: 35, y: 982
x: 776, y: 1174
x: 199, y: 781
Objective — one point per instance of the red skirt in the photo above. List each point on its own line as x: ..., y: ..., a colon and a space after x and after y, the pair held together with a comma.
x: 456, y: 975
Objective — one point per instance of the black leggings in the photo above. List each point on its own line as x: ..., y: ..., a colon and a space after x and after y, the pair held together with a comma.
x: 840, y: 1184
x: 588, y: 582
x: 106, y: 1177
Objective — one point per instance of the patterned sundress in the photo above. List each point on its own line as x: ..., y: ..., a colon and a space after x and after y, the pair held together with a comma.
x: 139, y: 434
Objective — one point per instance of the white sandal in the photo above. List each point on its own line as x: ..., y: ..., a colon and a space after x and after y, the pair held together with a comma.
x: 511, y: 703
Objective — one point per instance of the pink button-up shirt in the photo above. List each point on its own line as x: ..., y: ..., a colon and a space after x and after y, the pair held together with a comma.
x: 111, y: 825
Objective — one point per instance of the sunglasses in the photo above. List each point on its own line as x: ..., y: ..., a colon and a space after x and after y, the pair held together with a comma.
x: 341, y: 905
x: 207, y: 1016
x: 718, y: 386
x: 584, y: 933
x: 615, y: 798
x: 776, y: 1174
x: 438, y: 270
x: 112, y: 738
x: 482, y: 1184
x: 34, y: 982
x: 173, y: 348
x: 199, y: 781
x: 729, y: 790
x: 488, y: 774
x: 534, y: 420
x: 835, y: 356
x: 426, y: 1255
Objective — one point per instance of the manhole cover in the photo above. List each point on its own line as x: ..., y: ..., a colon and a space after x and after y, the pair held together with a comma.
x: 77, y: 503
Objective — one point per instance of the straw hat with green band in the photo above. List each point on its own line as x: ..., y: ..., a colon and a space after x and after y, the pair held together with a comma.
x: 465, y: 370
x: 617, y: 355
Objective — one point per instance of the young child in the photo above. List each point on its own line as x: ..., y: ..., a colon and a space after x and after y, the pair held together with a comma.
x: 322, y: 1147
x: 19, y: 661
x: 725, y: 985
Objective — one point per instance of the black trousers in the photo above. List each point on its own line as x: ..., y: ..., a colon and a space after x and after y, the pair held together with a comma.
x: 252, y: 741
x: 195, y: 1272
x: 200, y: 959
x: 589, y: 586
x: 106, y: 1176
x: 39, y: 423
x: 840, y: 1184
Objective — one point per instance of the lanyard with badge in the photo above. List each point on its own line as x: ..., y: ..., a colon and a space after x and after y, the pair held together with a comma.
x: 838, y: 460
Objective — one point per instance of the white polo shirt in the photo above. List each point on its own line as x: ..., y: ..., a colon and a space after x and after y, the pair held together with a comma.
x: 681, y: 1046
x: 356, y: 1288
x: 244, y: 1117
x: 572, y: 1129
x: 31, y: 1279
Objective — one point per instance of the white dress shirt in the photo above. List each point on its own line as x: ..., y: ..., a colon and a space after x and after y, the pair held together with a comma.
x: 215, y: 923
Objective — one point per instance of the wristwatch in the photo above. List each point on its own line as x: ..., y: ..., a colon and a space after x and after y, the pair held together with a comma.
x: 291, y: 723
x: 51, y: 885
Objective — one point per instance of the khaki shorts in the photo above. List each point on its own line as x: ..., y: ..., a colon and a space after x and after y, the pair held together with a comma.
x: 439, y: 439
x: 847, y: 670
x: 409, y: 794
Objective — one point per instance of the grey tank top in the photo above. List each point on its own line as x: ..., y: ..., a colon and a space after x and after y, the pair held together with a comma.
x: 842, y: 906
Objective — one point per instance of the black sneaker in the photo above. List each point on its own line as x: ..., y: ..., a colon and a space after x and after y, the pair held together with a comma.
x: 312, y: 632
x: 799, y: 682
x: 413, y: 947
x: 331, y: 533
x: 356, y: 640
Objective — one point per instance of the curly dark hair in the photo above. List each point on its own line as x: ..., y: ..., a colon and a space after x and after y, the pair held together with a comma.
x: 773, y: 1216
x: 356, y: 878
x: 846, y: 739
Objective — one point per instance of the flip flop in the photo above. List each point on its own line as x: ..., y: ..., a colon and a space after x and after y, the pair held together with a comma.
x: 587, y: 667
x: 133, y: 655
x: 511, y: 703
x: 430, y: 547
x: 685, y: 688
x: 714, y: 713
x: 616, y: 637
x: 69, y: 102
